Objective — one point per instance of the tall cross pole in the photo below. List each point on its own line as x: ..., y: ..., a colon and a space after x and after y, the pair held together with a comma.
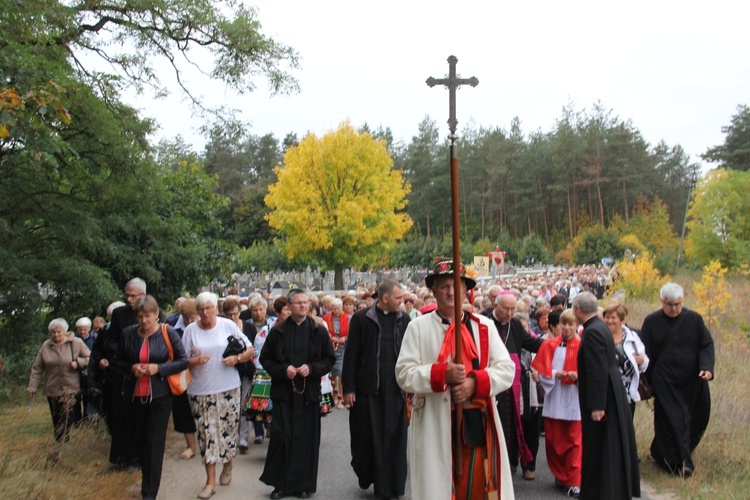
x: 452, y: 82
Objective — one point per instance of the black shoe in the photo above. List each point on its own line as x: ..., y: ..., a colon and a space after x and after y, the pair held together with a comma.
x: 364, y: 484
x: 277, y: 493
x: 687, y: 469
x: 304, y: 494
x: 243, y: 449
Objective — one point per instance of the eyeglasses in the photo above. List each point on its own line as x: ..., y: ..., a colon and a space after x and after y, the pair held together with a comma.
x: 133, y: 295
x: 672, y: 304
x: 297, y: 303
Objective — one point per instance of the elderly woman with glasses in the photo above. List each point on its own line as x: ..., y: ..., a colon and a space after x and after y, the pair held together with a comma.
x: 215, y: 389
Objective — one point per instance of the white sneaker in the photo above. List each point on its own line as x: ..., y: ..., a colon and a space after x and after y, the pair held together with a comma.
x: 574, y: 491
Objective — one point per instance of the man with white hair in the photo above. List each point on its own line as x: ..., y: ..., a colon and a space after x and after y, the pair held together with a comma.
x: 515, y: 337
x: 681, y: 353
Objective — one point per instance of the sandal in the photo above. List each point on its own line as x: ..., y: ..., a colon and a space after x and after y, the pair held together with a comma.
x: 187, y: 454
x: 207, y: 492
x: 226, y: 475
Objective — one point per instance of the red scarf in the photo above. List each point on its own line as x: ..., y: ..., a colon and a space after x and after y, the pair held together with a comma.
x: 543, y: 360
x: 469, y: 350
x: 343, y: 324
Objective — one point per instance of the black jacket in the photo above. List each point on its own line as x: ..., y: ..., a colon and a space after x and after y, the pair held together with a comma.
x: 275, y: 360
x: 106, y: 344
x: 128, y: 354
x: 360, y: 372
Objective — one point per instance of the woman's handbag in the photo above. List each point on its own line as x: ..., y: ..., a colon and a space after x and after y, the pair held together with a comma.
x: 645, y: 389
x: 178, y: 382
x: 235, y: 347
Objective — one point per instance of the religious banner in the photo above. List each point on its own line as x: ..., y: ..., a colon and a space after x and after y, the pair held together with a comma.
x: 482, y: 265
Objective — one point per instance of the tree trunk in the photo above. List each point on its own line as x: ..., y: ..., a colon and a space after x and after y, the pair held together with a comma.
x: 570, y: 217
x: 544, y: 211
x: 482, y: 217
x: 601, y: 204
x: 625, y: 196
x: 338, y: 278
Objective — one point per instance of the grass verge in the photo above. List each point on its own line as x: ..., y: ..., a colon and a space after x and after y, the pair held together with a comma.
x: 33, y: 465
x: 722, y: 462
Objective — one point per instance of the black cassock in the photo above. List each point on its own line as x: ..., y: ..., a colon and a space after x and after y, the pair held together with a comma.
x: 293, y: 452
x: 377, y: 422
x: 515, y: 338
x: 682, y: 401
x: 610, y: 457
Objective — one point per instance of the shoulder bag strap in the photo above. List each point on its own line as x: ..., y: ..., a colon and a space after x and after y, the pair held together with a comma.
x: 166, y: 341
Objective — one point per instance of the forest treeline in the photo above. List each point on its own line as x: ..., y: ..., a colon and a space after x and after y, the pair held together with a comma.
x: 591, y: 168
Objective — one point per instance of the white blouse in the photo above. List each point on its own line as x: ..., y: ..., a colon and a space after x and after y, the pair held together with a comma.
x: 213, y: 377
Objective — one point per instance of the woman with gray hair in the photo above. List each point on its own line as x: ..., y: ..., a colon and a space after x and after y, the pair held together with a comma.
x: 215, y: 389
x: 60, y: 359
x: 337, y: 322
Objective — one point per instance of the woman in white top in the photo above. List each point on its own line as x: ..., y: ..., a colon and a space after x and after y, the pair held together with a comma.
x: 215, y: 389
x: 629, y: 350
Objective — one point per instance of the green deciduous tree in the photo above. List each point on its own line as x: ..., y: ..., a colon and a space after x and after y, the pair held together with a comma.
x: 244, y: 165
x: 85, y: 204
x: 338, y: 200
x: 595, y: 243
x: 719, y: 220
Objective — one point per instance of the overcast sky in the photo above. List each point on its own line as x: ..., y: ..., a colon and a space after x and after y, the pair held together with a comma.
x: 677, y: 70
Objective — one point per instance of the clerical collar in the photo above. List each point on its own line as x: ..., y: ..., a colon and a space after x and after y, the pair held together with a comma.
x: 494, y: 316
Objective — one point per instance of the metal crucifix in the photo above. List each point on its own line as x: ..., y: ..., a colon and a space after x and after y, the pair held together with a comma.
x: 452, y: 83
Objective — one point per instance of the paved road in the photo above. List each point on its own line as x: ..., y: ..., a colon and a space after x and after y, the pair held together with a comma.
x: 184, y: 479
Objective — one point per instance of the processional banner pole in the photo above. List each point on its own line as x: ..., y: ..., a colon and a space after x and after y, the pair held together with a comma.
x: 452, y: 82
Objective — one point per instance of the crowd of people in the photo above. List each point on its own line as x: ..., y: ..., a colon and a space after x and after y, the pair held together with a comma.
x: 539, y: 359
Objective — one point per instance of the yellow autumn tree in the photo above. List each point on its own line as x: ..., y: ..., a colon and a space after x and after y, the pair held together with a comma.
x: 338, y: 200
x: 712, y: 293
x: 638, y: 278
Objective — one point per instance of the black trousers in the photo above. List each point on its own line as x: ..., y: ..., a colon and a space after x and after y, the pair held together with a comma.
x: 121, y: 450
x: 148, y: 422
x: 65, y: 411
x: 530, y: 423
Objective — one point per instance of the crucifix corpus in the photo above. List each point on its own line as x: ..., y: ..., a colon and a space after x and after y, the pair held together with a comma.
x: 452, y: 82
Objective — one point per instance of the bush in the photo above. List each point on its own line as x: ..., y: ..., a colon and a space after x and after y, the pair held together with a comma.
x: 639, y: 279
x: 711, y: 294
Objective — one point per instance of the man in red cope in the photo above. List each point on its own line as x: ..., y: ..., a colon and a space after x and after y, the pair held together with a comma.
x: 426, y: 368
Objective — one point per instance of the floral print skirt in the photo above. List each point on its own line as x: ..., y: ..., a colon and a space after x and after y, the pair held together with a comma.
x: 217, y: 420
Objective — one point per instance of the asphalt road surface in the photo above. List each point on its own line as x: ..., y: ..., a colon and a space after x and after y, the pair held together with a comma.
x: 182, y: 479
